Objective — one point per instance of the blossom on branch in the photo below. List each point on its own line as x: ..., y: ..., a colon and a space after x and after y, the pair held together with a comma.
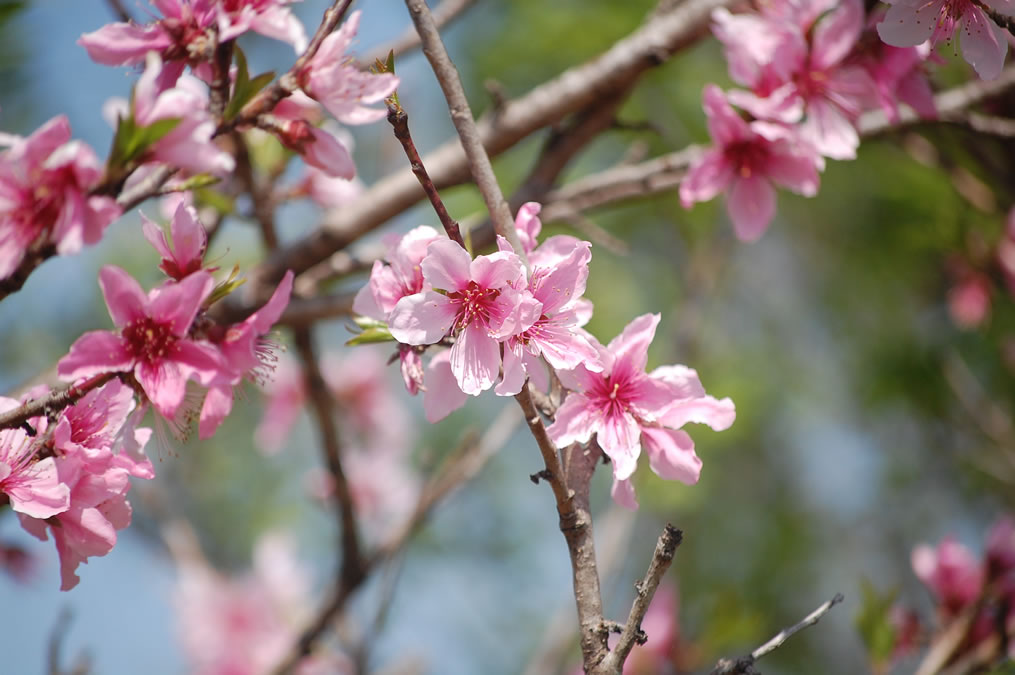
x: 183, y: 253
x: 44, y: 194
x: 747, y: 159
x: 627, y: 409
x: 151, y: 342
x: 332, y: 78
x: 190, y: 29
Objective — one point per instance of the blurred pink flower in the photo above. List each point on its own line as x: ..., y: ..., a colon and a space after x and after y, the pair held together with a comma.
x: 399, y: 275
x: 951, y: 572
x: 187, y: 30
x: 747, y: 159
x: 44, y: 194
x: 969, y: 301
x: 185, y: 253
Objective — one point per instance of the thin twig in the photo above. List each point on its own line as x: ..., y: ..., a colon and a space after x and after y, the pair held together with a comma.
x: 745, y: 664
x: 461, y: 116
x: 399, y: 121
x: 268, y: 98
x: 632, y: 634
x: 51, y: 403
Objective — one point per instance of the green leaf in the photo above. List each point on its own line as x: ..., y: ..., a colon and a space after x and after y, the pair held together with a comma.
x: 873, y: 621
x: 245, y: 88
x: 371, y: 336
x: 131, y: 141
x: 366, y: 322
x: 219, y: 201
x: 226, y: 287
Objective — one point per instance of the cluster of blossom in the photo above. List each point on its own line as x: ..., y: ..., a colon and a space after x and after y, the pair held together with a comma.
x: 374, y: 429
x: 246, y: 624
x: 809, y: 68
x: 505, y: 322
x: 55, y: 193
x: 960, y: 582
x: 68, y: 475
x: 69, y: 472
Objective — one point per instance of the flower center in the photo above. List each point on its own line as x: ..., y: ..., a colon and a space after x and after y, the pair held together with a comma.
x: 749, y: 157
x: 474, y: 305
x: 148, y: 340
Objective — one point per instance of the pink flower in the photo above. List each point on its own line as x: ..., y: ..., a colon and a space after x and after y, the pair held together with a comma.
x: 30, y: 482
x: 800, y: 73
x: 161, y: 93
x: 331, y: 78
x: 186, y: 31
x: 898, y: 76
x: 969, y: 301
x: 626, y: 409
x: 318, y: 148
x: 747, y: 160
x: 951, y: 572
x: 245, y: 353
x: 186, y: 253
x: 97, y: 479
x: 285, y: 396
x: 400, y: 277
x: 44, y: 184
x: 560, y: 269
x: 151, y: 339
x: 443, y: 396
x: 984, y: 44
x: 245, y: 624
x: 480, y: 307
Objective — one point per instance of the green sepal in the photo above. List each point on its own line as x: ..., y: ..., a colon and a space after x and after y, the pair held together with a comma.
x: 245, y: 88
x: 226, y: 287
x: 370, y: 336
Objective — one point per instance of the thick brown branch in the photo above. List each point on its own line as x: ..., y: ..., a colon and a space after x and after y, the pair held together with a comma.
x: 399, y: 121
x: 218, y: 94
x: 632, y: 634
x: 571, y: 492
x: 745, y: 664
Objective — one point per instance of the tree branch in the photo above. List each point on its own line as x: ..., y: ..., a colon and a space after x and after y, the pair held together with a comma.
x: 53, y: 402
x: 632, y: 633
x: 745, y: 664
x: 461, y: 116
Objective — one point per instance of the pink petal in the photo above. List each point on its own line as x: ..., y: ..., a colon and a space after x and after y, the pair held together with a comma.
x: 575, y: 421
x: 751, y: 205
x: 909, y: 22
x: 124, y: 297
x: 671, y: 455
x: 709, y: 175
x: 189, y: 237
x: 364, y: 303
x: 216, y: 407
x: 630, y: 348
x: 796, y: 172
x: 622, y: 492
x: 94, y: 353
x: 177, y: 303
x: 446, y: 265
x: 475, y: 360
x: 120, y: 44
x: 422, y: 319
x: 513, y: 378
x: 725, y: 126
x: 156, y: 237
x: 495, y: 270
x: 718, y: 414
x: 565, y: 281
x: 829, y: 130
x: 984, y: 44
x: 836, y: 33
x: 329, y: 155
x: 443, y: 395
x: 528, y: 225
x: 618, y: 436
x: 40, y: 494
x: 200, y: 359
x: 163, y: 384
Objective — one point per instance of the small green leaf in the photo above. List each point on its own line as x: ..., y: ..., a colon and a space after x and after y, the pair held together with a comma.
x: 371, y: 336
x: 366, y: 322
x: 245, y: 88
x: 874, y: 623
x: 200, y: 180
x: 132, y: 141
x: 219, y: 201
